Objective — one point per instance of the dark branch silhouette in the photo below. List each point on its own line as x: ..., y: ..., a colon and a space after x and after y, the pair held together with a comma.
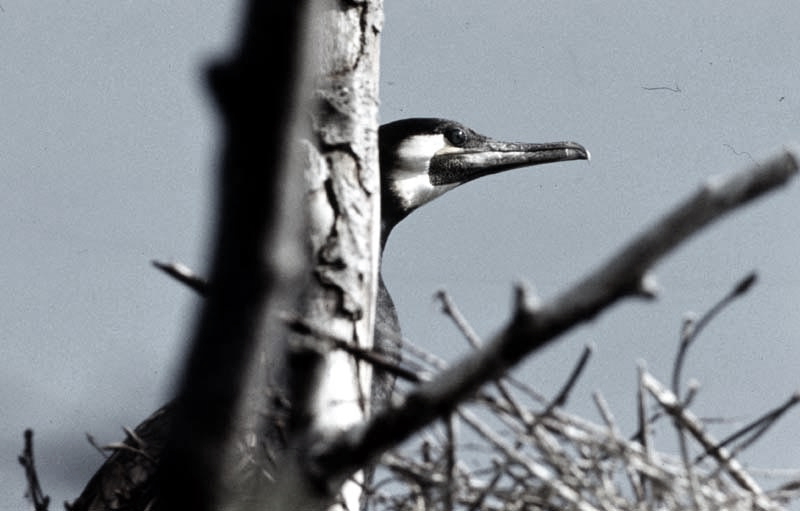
x: 39, y: 500
x: 250, y: 278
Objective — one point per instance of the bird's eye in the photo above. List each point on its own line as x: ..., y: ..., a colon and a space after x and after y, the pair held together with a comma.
x: 456, y: 136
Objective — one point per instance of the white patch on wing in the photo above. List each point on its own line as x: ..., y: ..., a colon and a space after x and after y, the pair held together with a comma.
x: 410, y: 181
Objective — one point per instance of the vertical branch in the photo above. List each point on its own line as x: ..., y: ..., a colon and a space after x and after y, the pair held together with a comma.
x: 256, y: 254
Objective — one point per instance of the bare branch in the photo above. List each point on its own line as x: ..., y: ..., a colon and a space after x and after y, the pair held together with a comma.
x: 451, y: 425
x: 621, y: 276
x: 38, y: 498
x: 184, y: 275
x: 643, y: 436
x: 687, y: 464
x: 691, y: 329
x: 563, y: 394
x: 451, y: 310
x: 694, y: 426
x: 605, y: 413
x: 759, y: 426
x: 301, y: 326
x: 98, y: 447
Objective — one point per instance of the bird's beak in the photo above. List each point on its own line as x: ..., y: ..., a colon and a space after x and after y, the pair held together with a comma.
x: 456, y: 165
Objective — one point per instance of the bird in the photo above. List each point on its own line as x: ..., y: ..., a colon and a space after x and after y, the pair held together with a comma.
x: 420, y: 159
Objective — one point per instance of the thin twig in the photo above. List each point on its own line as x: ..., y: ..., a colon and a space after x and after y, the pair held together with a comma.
x: 519, y: 411
x: 644, y: 430
x: 451, y: 487
x: 760, y: 426
x: 687, y: 464
x: 527, y: 390
x: 425, y: 356
x: 478, y: 502
x: 605, y: 413
x: 93, y: 443
x: 451, y: 310
x: 562, y: 396
x: 694, y: 426
x: 608, y: 418
x: 38, y: 498
x: 299, y: 325
x: 691, y: 329
x: 184, y: 275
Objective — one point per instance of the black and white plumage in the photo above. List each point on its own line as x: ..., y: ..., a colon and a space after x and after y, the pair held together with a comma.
x: 423, y: 158
x: 420, y: 159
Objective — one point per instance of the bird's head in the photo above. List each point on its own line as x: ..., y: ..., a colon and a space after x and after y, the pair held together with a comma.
x: 423, y: 158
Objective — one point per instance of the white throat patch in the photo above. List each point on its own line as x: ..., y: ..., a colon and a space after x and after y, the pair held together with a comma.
x: 410, y: 180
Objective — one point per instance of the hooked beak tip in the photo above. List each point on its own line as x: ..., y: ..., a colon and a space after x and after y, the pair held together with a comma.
x: 577, y: 152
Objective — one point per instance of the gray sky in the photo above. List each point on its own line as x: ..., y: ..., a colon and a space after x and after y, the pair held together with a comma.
x: 108, y: 145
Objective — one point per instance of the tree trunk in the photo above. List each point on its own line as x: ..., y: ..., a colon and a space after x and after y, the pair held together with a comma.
x: 343, y: 184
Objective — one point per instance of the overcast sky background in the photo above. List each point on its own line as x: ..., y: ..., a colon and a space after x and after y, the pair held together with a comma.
x: 108, y: 144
